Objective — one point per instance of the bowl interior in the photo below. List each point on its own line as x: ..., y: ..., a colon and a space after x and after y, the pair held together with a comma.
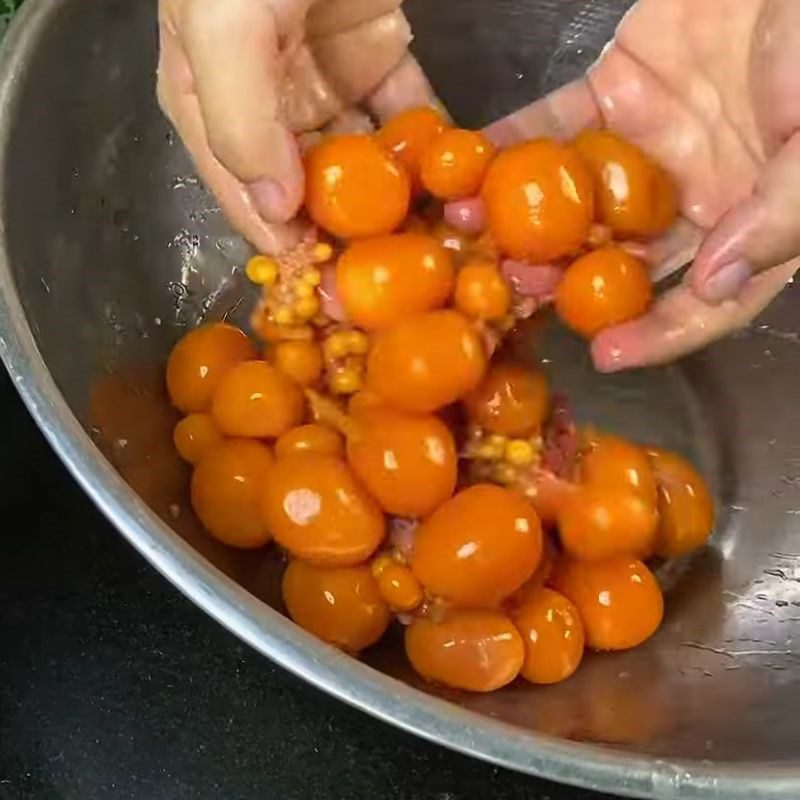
x: 116, y: 250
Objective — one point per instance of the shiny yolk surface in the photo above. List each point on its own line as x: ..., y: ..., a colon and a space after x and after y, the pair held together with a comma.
x: 478, y: 548
x: 408, y: 462
x: 320, y: 513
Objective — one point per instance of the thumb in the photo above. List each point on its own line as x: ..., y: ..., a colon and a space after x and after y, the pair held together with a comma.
x: 761, y: 232
x: 232, y: 49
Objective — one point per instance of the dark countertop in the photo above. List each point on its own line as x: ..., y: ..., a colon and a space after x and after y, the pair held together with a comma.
x: 112, y: 685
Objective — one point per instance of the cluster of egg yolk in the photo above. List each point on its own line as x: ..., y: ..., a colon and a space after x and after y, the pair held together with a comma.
x: 395, y: 460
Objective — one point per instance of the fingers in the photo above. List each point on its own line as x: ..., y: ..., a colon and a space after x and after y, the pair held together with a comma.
x: 334, y: 72
x: 562, y: 114
x: 357, y: 60
x: 333, y: 16
x: 232, y: 50
x: 670, y: 252
x: 182, y: 107
x: 757, y: 234
x: 349, y: 121
x: 403, y: 88
x: 680, y: 323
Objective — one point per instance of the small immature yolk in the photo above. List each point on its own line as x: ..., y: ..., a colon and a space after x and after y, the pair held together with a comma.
x: 256, y: 400
x: 684, y: 503
x: 200, y: 360
x: 262, y: 270
x: 614, y: 462
x: 482, y: 292
x: 301, y: 361
x: 510, y: 401
x: 408, y: 135
x: 552, y: 631
x: 354, y: 188
x: 478, y: 651
x: 313, y: 438
x: 226, y: 492
x: 619, y: 600
x: 604, y: 288
x: 426, y: 361
x: 342, y: 606
x: 604, y: 521
x: 478, y: 548
x: 318, y: 511
x: 539, y: 199
x: 195, y: 435
x: 399, y: 588
x: 455, y: 164
x: 635, y: 197
x: 407, y: 462
x: 383, y: 280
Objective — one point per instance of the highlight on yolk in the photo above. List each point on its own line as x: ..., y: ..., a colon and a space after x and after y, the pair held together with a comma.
x: 684, y: 503
x: 415, y: 461
x: 478, y: 548
x: 300, y: 361
x: 408, y: 462
x: 195, y: 435
x: 606, y: 287
x: 603, y: 521
x: 482, y: 292
x: 426, y: 361
x: 552, y: 631
x: 342, y: 606
x: 312, y: 438
x: 383, y: 280
x: 614, y: 462
x: 455, y: 163
x: 354, y: 188
x: 479, y: 651
x: 397, y: 585
x: 635, y: 197
x: 408, y: 135
x: 320, y: 513
x: 226, y: 492
x: 512, y: 400
x: 539, y: 199
x: 256, y: 400
x: 200, y: 360
x: 619, y: 600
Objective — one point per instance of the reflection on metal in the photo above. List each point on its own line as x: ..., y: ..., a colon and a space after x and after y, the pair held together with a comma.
x: 110, y: 249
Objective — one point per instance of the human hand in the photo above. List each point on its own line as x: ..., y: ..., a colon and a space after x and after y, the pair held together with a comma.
x: 240, y: 79
x: 709, y: 89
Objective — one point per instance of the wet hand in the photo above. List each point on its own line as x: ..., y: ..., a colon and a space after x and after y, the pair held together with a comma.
x: 708, y: 88
x: 241, y: 80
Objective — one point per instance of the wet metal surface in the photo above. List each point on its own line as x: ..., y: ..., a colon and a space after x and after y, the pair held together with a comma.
x: 115, y: 249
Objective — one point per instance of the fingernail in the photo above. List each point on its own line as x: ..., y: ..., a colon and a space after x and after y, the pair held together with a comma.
x: 608, y: 359
x: 726, y: 283
x: 270, y: 200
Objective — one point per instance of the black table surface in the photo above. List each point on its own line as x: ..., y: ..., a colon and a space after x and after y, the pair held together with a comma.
x: 112, y: 685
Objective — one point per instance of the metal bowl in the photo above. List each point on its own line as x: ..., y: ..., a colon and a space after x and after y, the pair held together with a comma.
x: 109, y: 249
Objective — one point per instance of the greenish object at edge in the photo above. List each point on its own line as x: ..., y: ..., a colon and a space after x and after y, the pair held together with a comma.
x: 7, y: 9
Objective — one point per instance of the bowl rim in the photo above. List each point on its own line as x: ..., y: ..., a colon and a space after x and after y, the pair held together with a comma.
x: 580, y: 764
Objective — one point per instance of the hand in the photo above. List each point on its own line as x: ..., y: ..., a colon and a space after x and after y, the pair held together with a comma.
x: 709, y: 89
x: 240, y: 78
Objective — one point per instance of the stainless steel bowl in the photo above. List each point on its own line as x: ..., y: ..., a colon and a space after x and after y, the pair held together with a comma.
x: 109, y: 249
